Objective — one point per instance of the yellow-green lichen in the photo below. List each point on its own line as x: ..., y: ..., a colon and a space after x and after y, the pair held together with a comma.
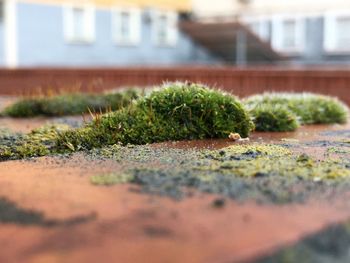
x: 262, y: 160
x: 111, y: 179
x: 39, y: 142
x: 255, y: 149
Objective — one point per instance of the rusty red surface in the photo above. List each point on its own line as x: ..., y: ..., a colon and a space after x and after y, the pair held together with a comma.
x: 131, y: 227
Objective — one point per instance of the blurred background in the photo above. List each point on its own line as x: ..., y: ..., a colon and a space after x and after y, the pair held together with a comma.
x: 60, y: 33
x: 246, y: 45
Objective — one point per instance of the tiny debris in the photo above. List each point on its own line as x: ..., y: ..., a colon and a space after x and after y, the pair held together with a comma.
x: 236, y: 137
x: 289, y: 140
x: 317, y: 179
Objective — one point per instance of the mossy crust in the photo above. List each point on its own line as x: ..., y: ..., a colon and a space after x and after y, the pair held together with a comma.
x: 262, y: 172
x: 329, y: 245
x: 39, y: 142
x: 70, y: 104
x: 263, y: 159
x: 177, y: 111
x: 11, y: 213
x: 270, y: 110
x: 110, y: 179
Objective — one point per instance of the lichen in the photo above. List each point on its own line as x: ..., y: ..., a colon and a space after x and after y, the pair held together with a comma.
x: 111, y: 179
x: 258, y: 171
x: 331, y: 244
x: 39, y: 142
x: 254, y: 150
x: 263, y: 159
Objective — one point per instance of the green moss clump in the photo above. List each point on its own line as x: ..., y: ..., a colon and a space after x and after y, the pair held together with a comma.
x: 274, y: 118
x: 309, y: 108
x: 70, y: 104
x: 177, y: 111
x: 111, y: 179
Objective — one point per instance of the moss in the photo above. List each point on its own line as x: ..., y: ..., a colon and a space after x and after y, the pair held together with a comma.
x: 111, y: 179
x: 338, y: 150
x: 5, y: 152
x: 260, y: 172
x: 309, y: 108
x: 331, y: 244
x: 39, y: 142
x: 70, y: 104
x: 274, y: 118
x: 239, y: 151
x: 263, y: 159
x: 177, y: 111
x: 11, y: 213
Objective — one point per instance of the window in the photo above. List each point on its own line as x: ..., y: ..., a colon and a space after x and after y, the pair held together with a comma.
x: 288, y: 34
x: 343, y: 36
x: 337, y: 32
x: 79, y: 24
x: 165, y: 28
x: 126, y: 25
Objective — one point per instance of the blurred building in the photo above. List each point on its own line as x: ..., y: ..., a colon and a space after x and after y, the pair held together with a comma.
x: 96, y: 33
x: 298, y: 31
x: 88, y: 33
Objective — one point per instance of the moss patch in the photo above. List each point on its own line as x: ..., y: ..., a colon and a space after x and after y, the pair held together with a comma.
x: 177, y: 111
x: 278, y: 111
x: 10, y: 213
x: 329, y: 245
x: 70, y: 104
x: 263, y: 160
x: 39, y: 142
x: 261, y: 172
x: 111, y: 179
x: 274, y: 118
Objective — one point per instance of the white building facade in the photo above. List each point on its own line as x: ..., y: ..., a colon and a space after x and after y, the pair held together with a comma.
x: 304, y: 31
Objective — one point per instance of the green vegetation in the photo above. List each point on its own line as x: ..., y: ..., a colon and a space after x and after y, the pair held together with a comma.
x: 252, y: 150
x: 257, y: 171
x: 274, y: 118
x: 111, y: 179
x: 331, y: 244
x: 70, y: 104
x: 39, y: 142
x: 238, y: 160
x: 11, y: 213
x: 278, y: 111
x: 177, y: 111
x: 263, y: 159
